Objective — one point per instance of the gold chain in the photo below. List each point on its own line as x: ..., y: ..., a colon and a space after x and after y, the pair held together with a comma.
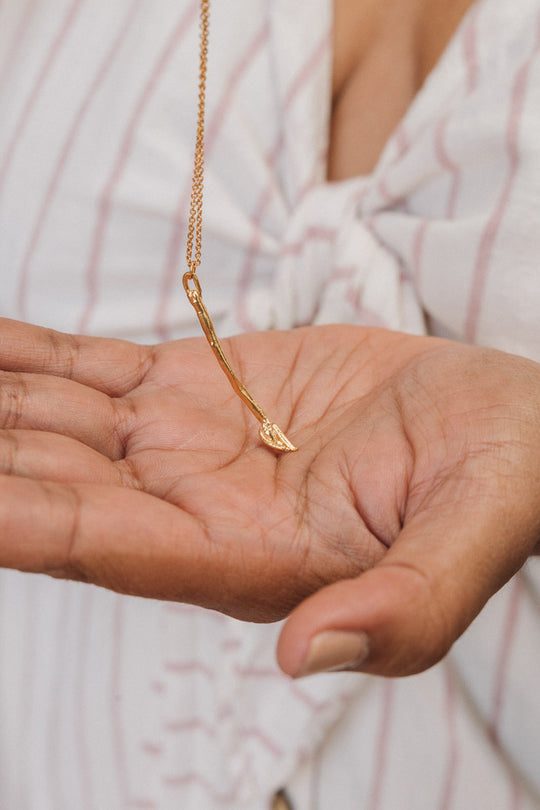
x: 195, y: 211
x: 269, y: 432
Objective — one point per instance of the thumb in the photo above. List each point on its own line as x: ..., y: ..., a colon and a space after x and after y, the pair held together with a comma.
x: 403, y: 615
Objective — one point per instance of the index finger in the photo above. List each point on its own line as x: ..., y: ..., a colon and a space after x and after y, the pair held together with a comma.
x: 106, y: 364
x: 131, y: 542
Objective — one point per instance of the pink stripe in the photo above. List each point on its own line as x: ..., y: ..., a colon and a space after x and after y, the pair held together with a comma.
x: 262, y: 673
x: 170, y: 273
x: 311, y: 182
x: 448, y: 164
x: 158, y: 687
x: 469, y: 50
x: 42, y: 76
x: 504, y: 658
x: 384, y: 192
x: 30, y: 673
x: 294, y: 689
x: 183, y: 667
x: 197, y: 778
x: 403, y: 146
x: 339, y: 699
x: 418, y: 251
x: 224, y: 712
x: 254, y: 246
x: 64, y: 156
x: 238, y: 73
x: 302, y: 756
x: 117, y: 678
x: 311, y: 234
x: 231, y: 644
x: 516, y: 795
x: 352, y: 296
x: 54, y: 749
x: 123, y: 156
x: 501, y: 679
x: 82, y: 749
x: 15, y: 44
x: 297, y: 84
x: 402, y: 141
x: 453, y: 752
x: 257, y: 734
x: 314, y: 706
x: 193, y: 724
x: 189, y: 725
x: 343, y: 272
x: 494, y: 224
x: 380, y: 769
x: 152, y: 749
x: 308, y: 69
x: 362, y: 314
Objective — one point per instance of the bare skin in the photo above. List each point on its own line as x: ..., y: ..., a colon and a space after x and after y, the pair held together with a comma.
x: 137, y: 469
x: 383, y: 53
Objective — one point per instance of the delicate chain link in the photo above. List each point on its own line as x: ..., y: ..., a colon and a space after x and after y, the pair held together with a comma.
x: 194, y: 237
x: 269, y: 432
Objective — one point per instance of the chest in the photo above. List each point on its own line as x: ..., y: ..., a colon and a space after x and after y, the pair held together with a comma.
x: 383, y: 52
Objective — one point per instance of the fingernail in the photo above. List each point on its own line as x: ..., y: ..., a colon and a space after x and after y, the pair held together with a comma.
x: 335, y: 651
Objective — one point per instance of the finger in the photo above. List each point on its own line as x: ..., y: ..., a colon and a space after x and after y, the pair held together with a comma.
x: 47, y: 403
x: 112, y: 366
x: 117, y: 538
x: 130, y: 542
x: 51, y: 457
x: 403, y: 615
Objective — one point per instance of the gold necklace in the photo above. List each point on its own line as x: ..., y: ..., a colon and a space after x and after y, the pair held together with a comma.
x: 270, y: 433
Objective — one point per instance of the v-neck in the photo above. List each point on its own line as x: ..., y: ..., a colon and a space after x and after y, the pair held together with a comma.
x: 444, y: 75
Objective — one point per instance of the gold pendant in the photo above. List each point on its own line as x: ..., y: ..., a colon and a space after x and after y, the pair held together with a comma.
x: 270, y: 433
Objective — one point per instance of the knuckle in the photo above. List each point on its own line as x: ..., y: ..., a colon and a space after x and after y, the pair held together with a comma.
x: 13, y: 395
x: 124, y: 421
x: 427, y: 630
x: 9, y: 450
x: 61, y: 552
x: 75, y: 564
x: 63, y: 352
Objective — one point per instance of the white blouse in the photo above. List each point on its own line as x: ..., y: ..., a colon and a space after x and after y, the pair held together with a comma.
x: 115, y: 703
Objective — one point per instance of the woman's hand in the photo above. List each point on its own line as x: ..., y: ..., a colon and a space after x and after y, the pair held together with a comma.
x: 138, y: 469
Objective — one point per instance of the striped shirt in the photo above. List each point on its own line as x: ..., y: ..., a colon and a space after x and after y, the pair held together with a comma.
x: 120, y: 703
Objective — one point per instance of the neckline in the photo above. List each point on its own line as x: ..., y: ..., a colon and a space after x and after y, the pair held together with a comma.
x: 445, y: 74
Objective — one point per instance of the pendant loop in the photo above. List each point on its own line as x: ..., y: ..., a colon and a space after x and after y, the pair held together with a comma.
x: 191, y: 276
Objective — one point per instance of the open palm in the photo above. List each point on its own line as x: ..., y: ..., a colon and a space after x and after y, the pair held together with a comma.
x: 138, y: 469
